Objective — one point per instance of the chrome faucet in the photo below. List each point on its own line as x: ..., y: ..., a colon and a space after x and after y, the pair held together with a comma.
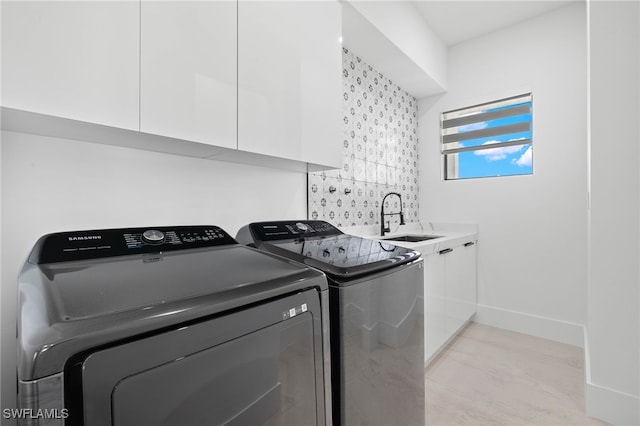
x: 383, y: 214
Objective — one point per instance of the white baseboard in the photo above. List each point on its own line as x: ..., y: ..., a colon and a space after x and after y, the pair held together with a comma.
x: 609, y: 405
x: 612, y: 406
x: 534, y: 325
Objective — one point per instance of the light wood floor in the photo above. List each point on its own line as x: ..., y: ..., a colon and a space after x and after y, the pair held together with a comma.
x: 490, y: 376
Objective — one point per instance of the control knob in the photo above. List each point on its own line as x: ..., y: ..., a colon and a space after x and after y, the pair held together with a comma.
x: 302, y: 227
x: 153, y: 236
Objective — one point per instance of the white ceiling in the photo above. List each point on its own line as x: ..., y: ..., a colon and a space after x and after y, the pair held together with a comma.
x: 455, y: 21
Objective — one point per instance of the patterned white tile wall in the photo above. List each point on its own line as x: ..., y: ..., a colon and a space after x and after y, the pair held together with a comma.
x: 380, y: 153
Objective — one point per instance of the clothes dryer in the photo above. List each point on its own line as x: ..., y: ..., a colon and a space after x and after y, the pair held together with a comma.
x: 169, y: 325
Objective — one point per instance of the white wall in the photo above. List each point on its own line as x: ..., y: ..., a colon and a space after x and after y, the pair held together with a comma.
x: 532, y: 251
x: 53, y: 185
x: 613, y: 387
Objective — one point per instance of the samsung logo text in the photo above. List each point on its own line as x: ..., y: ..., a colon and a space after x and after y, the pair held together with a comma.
x: 85, y: 238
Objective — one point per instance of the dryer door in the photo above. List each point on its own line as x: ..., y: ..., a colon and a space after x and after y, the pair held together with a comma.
x: 259, y: 366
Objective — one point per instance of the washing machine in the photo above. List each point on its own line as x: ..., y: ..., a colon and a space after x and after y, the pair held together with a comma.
x: 376, y: 313
x: 169, y: 326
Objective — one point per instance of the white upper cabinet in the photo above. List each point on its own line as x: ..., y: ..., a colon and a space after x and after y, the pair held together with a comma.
x: 215, y: 78
x: 188, y: 70
x: 72, y: 59
x: 289, y: 80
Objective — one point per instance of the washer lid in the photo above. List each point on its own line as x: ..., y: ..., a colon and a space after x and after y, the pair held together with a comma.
x: 343, y: 256
x: 83, y: 290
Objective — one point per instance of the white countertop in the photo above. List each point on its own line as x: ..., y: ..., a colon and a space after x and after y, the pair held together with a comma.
x: 452, y: 234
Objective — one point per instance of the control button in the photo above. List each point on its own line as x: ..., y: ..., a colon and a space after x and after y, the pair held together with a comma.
x: 302, y: 227
x: 153, y: 236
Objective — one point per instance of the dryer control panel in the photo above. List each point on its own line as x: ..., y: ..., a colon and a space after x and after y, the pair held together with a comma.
x: 291, y: 229
x: 94, y: 244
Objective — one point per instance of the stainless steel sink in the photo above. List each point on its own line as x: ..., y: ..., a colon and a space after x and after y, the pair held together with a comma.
x: 413, y: 238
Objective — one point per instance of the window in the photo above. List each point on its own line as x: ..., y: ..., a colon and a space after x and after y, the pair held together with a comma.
x: 491, y: 139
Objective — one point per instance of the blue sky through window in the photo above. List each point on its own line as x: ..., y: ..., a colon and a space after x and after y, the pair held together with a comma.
x: 500, y: 161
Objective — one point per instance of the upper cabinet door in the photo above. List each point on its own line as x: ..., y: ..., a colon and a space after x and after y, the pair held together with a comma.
x: 289, y: 79
x: 189, y: 70
x: 72, y: 59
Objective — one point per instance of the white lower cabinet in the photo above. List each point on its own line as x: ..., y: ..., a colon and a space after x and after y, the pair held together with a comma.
x: 450, y: 294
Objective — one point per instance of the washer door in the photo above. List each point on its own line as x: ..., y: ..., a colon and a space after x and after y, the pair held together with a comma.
x: 259, y: 366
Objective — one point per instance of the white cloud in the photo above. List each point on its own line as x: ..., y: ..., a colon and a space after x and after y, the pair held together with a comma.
x: 472, y: 126
x: 496, y: 154
x: 525, y: 159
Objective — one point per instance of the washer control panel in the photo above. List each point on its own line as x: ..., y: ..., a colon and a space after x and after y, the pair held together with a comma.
x: 281, y: 230
x: 94, y: 244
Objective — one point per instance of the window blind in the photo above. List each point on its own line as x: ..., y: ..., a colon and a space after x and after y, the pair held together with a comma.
x: 487, y: 126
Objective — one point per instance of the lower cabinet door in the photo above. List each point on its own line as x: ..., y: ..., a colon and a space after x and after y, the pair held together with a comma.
x: 469, y: 279
x: 450, y: 294
x: 460, y: 287
x: 454, y: 291
x: 435, y: 319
